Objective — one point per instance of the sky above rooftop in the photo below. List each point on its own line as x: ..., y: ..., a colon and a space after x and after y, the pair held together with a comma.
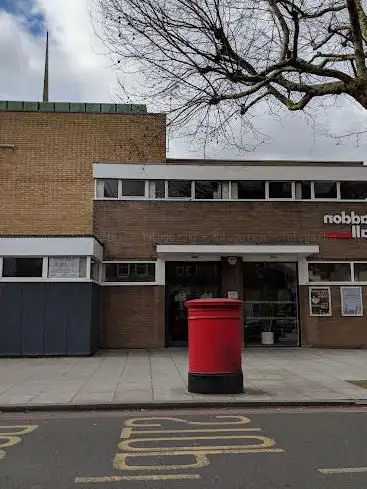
x: 80, y: 70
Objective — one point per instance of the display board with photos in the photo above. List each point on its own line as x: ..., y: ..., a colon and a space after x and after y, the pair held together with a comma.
x: 320, y: 301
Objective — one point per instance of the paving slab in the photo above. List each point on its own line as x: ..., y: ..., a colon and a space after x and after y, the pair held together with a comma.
x: 134, y: 377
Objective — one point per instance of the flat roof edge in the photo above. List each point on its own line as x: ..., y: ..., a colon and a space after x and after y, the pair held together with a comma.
x: 72, y: 107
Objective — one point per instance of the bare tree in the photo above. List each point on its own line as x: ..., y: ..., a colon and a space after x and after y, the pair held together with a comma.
x: 219, y: 59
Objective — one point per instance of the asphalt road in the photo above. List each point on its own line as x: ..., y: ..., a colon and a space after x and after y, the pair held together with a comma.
x: 244, y: 449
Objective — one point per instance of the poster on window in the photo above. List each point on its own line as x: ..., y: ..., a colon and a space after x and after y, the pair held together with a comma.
x: 320, y: 301
x: 351, y: 301
x: 67, y: 267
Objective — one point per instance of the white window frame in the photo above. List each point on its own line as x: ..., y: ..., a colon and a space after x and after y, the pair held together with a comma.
x: 216, y: 199
x: 328, y: 288
x: 129, y: 262
x: 134, y: 197
x: 108, y: 198
x: 44, y: 277
x: 266, y: 193
x: 351, y: 200
x: 184, y: 199
x: 326, y: 199
x: 280, y: 199
x: 224, y: 183
x: 338, y: 283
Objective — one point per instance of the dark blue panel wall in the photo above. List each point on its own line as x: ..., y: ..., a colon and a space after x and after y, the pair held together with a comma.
x: 11, y: 319
x: 49, y: 318
x: 32, y: 309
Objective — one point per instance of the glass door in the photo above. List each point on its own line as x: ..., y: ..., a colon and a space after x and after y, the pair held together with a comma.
x: 271, y: 303
x: 186, y: 281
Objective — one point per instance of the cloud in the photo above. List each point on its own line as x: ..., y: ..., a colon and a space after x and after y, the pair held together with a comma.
x: 80, y: 71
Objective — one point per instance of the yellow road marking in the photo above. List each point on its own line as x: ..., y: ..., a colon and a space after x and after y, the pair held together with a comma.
x: 10, y: 436
x: 126, y: 444
x: 118, y: 478
x: 135, y: 421
x: 17, y: 430
x: 120, y: 461
x: 200, y: 430
x: 344, y: 470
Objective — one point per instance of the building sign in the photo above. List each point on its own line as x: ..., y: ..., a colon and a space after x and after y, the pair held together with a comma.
x: 320, y: 301
x: 351, y: 301
x: 63, y: 267
x: 355, y: 221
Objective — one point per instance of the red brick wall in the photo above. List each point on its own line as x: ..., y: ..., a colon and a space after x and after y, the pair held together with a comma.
x: 131, y: 230
x: 333, y: 331
x: 132, y: 317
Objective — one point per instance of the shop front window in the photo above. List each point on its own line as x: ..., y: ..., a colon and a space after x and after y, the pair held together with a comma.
x: 329, y: 272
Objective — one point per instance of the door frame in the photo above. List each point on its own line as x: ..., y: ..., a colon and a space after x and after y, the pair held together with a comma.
x: 168, y: 342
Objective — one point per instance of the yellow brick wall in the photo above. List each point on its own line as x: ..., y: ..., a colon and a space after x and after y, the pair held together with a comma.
x: 46, y: 182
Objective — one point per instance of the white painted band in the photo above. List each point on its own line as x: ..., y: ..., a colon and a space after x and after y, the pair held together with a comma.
x: 261, y: 172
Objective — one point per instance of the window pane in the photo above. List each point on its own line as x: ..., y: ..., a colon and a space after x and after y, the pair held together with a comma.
x: 100, y: 189
x: 22, y: 267
x: 133, y: 188
x: 207, y: 190
x: 353, y: 190
x: 329, y: 272
x: 111, y: 189
x: 160, y: 189
x: 280, y: 190
x: 67, y: 267
x: 130, y: 272
x: 250, y: 190
x: 325, y: 190
x: 179, y: 188
x: 360, y: 272
x: 94, y: 270
x: 303, y: 190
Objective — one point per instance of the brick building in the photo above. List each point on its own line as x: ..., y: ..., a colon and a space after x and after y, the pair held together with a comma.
x: 102, y: 239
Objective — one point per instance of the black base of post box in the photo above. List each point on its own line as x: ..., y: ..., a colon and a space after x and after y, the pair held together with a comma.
x: 216, y: 383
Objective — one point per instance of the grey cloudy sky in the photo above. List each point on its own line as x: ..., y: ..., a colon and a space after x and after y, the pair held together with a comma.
x: 79, y: 71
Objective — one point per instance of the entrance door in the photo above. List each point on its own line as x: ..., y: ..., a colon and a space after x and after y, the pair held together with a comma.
x: 271, y: 303
x: 186, y: 281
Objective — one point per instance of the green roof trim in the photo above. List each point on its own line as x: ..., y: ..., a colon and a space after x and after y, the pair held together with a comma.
x: 18, y: 106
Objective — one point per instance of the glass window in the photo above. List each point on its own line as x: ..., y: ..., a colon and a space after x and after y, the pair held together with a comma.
x: 160, y: 189
x: 280, y: 190
x: 133, y: 188
x: 360, y: 272
x: 251, y: 190
x: 329, y: 272
x: 22, y: 267
x: 110, y: 189
x: 325, y: 190
x: 303, y: 190
x: 130, y: 272
x: 353, y: 190
x: 157, y: 189
x: 94, y: 270
x: 207, y: 190
x: 179, y: 188
x: 67, y: 267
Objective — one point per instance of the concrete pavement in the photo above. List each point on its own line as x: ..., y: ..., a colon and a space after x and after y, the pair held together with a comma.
x: 159, y: 377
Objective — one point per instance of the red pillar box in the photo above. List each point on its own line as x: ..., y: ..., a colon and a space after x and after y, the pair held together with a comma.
x: 215, y: 343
